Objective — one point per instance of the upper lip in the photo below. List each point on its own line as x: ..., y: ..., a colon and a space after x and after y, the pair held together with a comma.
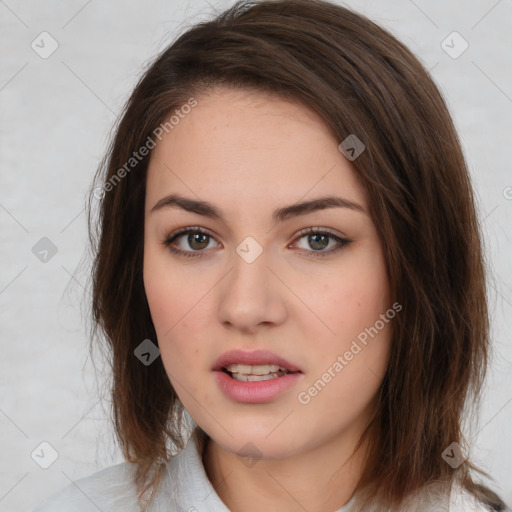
x: 253, y: 358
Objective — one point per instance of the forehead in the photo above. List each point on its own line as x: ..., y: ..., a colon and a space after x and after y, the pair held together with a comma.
x: 238, y: 146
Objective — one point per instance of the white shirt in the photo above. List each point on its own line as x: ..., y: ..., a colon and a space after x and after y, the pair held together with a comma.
x: 186, y: 488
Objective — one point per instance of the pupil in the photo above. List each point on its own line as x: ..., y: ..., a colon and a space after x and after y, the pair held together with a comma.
x: 192, y: 238
x: 322, y: 246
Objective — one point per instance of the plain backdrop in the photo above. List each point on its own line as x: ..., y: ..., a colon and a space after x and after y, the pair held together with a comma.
x: 56, y: 116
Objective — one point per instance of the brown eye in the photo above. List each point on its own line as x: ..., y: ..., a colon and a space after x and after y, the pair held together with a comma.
x: 199, y: 239
x: 318, y: 240
x: 196, y: 241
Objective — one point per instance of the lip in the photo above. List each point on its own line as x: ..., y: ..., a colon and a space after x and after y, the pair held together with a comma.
x: 255, y: 392
x: 253, y: 358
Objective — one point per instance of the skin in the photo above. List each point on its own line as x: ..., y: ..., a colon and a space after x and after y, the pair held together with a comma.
x: 248, y: 154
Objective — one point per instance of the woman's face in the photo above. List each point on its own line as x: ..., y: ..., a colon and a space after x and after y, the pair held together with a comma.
x: 256, y: 282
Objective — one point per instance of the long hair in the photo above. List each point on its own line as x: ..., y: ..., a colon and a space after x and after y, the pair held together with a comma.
x: 361, y: 81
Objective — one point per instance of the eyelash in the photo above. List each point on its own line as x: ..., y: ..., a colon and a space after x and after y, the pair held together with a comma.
x: 342, y: 242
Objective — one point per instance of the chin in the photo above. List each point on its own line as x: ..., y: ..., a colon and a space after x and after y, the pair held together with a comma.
x: 255, y: 443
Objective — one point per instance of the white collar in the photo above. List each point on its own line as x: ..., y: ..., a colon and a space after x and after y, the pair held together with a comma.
x: 187, y: 488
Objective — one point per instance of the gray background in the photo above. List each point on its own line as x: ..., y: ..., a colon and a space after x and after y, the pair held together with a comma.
x: 56, y: 116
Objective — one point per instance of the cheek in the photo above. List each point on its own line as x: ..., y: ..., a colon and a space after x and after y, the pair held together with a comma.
x: 167, y: 299
x: 179, y: 313
x: 351, y: 304
x: 347, y: 367
x: 170, y: 295
x: 175, y: 341
x: 352, y: 297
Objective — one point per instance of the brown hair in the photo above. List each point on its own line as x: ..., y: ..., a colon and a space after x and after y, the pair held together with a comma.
x: 361, y: 81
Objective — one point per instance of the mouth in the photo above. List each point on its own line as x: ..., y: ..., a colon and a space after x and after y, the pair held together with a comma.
x: 255, y: 373
x: 254, y: 366
x: 255, y: 377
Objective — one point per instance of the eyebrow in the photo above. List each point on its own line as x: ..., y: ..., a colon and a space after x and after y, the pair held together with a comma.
x: 279, y: 215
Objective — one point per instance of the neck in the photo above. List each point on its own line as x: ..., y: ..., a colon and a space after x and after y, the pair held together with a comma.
x: 319, y: 479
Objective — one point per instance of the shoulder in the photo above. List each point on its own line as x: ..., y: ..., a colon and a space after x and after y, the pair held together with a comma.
x: 461, y: 500
x: 447, y: 497
x: 109, y: 489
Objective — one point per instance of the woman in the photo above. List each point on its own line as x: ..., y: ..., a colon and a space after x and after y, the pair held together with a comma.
x: 288, y: 253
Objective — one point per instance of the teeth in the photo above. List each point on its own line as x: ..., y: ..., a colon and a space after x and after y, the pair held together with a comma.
x: 254, y: 378
x: 259, y: 369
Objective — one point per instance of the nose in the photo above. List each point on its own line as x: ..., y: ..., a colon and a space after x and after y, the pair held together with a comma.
x: 251, y: 296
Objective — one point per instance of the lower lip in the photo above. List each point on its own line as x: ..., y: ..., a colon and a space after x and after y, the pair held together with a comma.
x: 255, y: 392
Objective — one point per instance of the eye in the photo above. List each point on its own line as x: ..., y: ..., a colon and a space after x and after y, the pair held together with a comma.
x: 199, y: 239
x: 318, y: 239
